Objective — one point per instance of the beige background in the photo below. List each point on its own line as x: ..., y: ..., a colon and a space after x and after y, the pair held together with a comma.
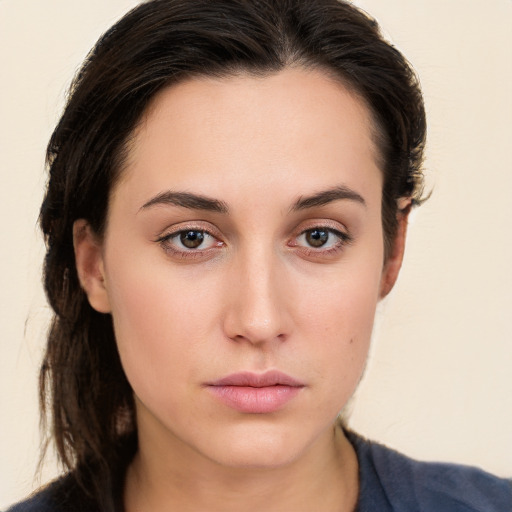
x: 439, y: 382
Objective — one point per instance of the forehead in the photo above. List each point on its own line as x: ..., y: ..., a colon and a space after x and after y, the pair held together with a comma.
x: 217, y: 136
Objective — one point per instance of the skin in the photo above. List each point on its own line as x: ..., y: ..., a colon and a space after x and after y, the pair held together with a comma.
x: 255, y: 296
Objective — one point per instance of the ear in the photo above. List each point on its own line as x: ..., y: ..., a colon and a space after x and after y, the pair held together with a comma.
x: 89, y: 265
x: 395, y: 257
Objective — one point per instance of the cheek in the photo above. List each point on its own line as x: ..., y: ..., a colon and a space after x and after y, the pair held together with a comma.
x: 338, y: 315
x: 161, y: 322
x: 343, y: 321
x: 342, y: 302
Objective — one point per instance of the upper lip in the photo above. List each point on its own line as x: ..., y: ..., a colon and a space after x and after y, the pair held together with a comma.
x: 257, y: 380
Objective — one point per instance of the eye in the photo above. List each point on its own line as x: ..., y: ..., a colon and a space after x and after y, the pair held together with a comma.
x: 322, y: 238
x: 321, y: 242
x: 191, y: 239
x: 316, y: 237
x: 189, y: 242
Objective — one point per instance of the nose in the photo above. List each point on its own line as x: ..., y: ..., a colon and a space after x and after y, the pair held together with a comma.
x: 257, y: 308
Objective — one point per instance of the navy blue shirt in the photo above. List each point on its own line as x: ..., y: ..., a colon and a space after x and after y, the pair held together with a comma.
x: 392, y: 482
x: 389, y: 482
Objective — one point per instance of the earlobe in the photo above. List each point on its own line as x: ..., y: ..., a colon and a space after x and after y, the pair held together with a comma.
x: 394, y: 260
x: 89, y: 265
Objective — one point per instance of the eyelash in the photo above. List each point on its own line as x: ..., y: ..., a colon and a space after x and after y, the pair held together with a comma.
x: 343, y: 240
x: 166, y: 241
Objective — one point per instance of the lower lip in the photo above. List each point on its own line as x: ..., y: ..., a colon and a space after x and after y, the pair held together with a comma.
x: 255, y: 400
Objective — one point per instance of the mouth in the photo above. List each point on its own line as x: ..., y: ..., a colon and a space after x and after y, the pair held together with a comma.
x: 253, y: 393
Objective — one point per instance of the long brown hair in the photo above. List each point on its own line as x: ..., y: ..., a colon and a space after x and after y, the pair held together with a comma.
x: 159, y: 43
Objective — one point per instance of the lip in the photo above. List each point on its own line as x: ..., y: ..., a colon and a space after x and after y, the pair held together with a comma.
x: 254, y: 393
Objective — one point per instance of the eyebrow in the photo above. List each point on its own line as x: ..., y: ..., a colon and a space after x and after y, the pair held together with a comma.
x: 201, y: 202
x: 187, y: 200
x: 328, y: 196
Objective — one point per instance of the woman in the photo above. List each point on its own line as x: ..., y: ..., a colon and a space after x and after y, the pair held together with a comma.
x: 229, y: 191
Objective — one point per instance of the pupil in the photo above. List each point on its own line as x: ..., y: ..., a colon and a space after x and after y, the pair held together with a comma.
x: 192, y: 239
x: 317, y: 237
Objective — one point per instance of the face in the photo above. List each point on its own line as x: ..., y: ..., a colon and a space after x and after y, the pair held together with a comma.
x: 242, y: 264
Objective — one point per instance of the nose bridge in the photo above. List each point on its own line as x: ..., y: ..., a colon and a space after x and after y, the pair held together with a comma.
x: 257, y: 310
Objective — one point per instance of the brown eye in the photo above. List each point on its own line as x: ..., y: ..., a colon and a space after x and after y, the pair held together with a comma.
x: 316, y: 237
x: 322, y: 241
x: 194, y: 244
x: 192, y: 239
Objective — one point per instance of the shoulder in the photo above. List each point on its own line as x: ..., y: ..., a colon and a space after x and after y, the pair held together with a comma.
x: 408, y: 485
x: 62, y: 495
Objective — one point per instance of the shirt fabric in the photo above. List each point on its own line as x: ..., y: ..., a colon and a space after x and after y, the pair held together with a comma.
x: 392, y: 482
x: 389, y: 482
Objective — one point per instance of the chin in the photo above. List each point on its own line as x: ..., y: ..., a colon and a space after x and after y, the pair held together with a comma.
x: 255, y: 457
x: 259, y: 447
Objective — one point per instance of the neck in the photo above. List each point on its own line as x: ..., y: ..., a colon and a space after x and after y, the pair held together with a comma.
x: 324, y: 478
